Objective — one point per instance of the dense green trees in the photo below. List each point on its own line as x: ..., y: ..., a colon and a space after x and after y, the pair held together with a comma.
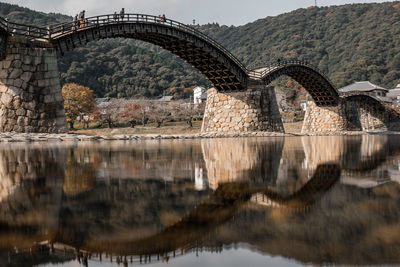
x: 120, y: 68
x: 349, y: 43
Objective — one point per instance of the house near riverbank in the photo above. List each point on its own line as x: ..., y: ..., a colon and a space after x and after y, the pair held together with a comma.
x: 364, y: 87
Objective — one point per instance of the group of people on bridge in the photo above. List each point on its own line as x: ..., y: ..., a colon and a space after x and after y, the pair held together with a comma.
x: 121, y: 15
x: 80, y: 21
x: 162, y: 18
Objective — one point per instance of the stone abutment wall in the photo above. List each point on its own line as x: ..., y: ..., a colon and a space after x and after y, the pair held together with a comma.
x: 318, y: 120
x: 366, y: 114
x: 253, y: 110
x: 30, y: 92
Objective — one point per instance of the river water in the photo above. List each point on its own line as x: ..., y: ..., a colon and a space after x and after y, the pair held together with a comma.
x: 294, y: 201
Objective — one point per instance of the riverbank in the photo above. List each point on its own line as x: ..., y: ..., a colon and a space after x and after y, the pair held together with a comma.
x: 168, y: 129
x: 74, y: 137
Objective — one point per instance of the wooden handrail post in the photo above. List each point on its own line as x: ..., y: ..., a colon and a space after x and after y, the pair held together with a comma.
x: 49, y: 33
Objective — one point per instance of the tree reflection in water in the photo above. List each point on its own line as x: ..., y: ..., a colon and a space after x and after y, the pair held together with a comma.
x: 313, y: 199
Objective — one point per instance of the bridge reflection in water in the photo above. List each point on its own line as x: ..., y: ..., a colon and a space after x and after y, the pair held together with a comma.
x: 154, y: 200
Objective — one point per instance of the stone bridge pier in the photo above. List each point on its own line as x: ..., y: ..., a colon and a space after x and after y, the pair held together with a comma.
x: 30, y: 92
x: 324, y: 119
x: 255, y: 109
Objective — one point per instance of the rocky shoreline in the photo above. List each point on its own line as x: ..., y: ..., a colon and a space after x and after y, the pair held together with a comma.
x: 45, y: 137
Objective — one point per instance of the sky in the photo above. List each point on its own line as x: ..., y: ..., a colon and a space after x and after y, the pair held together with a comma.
x: 227, y: 12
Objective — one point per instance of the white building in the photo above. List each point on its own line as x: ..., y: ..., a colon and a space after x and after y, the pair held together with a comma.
x: 199, y: 95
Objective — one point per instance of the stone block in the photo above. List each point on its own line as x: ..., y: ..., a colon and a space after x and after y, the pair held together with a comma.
x: 26, y: 97
x: 49, y: 99
x: 24, y: 86
x: 4, y: 74
x: 11, y: 115
x: 38, y: 60
x: 29, y: 68
x: 26, y: 76
x: 13, y: 90
x: 42, y: 67
x: 29, y: 105
x: 27, y: 60
x: 41, y: 83
x: 34, y: 123
x: 20, y: 112
x: 6, y: 64
x: 21, y: 121
x: 16, y: 64
x: 16, y: 73
x: 8, y: 127
x: 52, y: 67
x: 6, y: 99
x: 18, y: 83
x: 16, y: 103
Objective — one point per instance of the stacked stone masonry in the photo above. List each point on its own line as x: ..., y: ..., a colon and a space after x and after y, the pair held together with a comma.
x: 30, y: 92
x: 361, y: 113
x: 365, y: 114
x: 324, y: 119
x: 253, y: 110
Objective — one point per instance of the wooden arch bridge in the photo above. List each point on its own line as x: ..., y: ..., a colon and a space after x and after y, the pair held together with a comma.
x: 37, y: 78
x: 224, y: 71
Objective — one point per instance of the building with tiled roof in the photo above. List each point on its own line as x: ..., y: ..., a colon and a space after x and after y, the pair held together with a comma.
x: 365, y: 87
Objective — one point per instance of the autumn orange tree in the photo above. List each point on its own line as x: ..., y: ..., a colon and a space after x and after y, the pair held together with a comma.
x: 79, y: 101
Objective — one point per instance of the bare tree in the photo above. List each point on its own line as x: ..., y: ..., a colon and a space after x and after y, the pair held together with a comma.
x: 160, y: 112
x: 109, y: 113
x: 144, y: 108
x: 188, y: 112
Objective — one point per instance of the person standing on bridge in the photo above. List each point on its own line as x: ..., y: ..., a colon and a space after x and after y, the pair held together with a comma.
x: 115, y: 16
x: 163, y: 19
x: 122, y: 13
x: 75, y: 23
x: 82, y: 18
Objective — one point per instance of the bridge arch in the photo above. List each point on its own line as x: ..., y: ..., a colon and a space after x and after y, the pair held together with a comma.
x: 222, y: 69
x: 314, y: 81
x: 365, y: 113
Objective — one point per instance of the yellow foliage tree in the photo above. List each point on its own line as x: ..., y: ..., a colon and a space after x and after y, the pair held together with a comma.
x: 79, y: 101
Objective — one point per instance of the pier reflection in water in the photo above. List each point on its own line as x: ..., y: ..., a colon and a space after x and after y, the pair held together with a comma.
x: 317, y: 200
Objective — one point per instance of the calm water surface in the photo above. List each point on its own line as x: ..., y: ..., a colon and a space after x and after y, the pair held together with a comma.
x: 298, y: 201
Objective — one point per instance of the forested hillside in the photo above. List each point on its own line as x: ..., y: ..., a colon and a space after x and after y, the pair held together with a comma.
x: 349, y: 43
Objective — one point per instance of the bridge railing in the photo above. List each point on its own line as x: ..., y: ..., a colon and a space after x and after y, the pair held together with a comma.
x: 271, y: 67
x: 3, y: 24
x: 55, y: 30
x: 32, y: 32
x: 97, y: 21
